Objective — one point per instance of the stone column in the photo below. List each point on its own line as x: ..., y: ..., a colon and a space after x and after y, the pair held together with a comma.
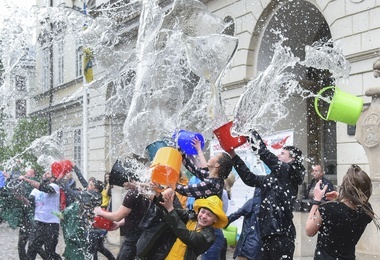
x: 368, y: 132
x: 368, y: 135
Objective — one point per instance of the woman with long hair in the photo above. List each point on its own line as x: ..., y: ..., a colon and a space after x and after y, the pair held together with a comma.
x: 341, y: 221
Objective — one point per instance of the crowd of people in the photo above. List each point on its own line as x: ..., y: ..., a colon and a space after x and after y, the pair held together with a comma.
x: 187, y: 221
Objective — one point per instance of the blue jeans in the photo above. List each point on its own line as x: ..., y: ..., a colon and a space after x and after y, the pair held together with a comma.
x: 218, y: 250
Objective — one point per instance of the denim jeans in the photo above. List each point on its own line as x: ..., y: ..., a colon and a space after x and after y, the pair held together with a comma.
x: 218, y: 250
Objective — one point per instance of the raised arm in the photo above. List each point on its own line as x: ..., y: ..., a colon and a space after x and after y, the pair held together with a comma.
x: 200, y: 173
x: 314, y: 221
x: 80, y: 176
x: 198, y: 146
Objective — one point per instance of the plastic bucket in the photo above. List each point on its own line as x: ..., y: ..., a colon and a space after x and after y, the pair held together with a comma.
x: 59, y: 169
x: 344, y: 107
x: 102, y: 223
x: 228, y: 142
x: 153, y: 148
x: 230, y: 233
x: 166, y: 166
x: 184, y: 141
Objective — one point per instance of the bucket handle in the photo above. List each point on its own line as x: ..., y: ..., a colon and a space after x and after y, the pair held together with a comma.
x: 316, y: 101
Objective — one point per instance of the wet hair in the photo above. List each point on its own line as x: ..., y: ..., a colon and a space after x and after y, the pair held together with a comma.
x: 225, y: 165
x: 295, y: 153
x: 356, y: 187
x: 98, y: 185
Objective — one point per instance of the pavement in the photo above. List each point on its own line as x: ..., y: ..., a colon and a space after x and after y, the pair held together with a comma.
x: 9, y: 237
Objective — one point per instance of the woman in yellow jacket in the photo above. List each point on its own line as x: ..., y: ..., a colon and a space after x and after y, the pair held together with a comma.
x: 194, y: 232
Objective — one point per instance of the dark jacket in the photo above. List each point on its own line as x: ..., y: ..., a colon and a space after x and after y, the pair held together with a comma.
x: 197, y: 241
x: 249, y: 244
x: 330, y: 186
x: 157, y: 238
x: 279, y: 191
x: 87, y: 199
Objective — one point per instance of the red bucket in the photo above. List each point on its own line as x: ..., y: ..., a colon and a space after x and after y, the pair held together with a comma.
x: 228, y: 142
x: 102, y: 223
x: 61, y: 168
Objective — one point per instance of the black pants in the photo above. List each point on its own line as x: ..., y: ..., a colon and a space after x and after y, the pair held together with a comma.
x: 97, y: 244
x: 44, y: 234
x: 23, y: 237
x: 128, y: 248
x: 278, y: 247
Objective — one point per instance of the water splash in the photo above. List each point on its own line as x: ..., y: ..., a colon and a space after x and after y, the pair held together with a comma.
x: 162, y: 97
x: 261, y: 106
x: 328, y: 56
x: 170, y: 79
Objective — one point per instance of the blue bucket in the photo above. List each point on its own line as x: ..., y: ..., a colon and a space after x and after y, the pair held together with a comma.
x: 2, y: 180
x: 184, y: 139
x: 153, y: 148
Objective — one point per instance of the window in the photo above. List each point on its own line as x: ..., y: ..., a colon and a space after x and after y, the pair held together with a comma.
x: 60, y: 62
x: 78, y: 147
x: 21, y: 83
x: 20, y: 108
x: 79, y: 62
x: 60, y: 136
x: 45, y: 69
x: 230, y: 28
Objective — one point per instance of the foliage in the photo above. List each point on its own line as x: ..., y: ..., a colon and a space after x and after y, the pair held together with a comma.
x: 26, y: 131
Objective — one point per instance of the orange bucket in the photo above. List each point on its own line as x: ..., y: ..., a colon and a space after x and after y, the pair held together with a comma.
x: 226, y: 140
x: 166, y: 166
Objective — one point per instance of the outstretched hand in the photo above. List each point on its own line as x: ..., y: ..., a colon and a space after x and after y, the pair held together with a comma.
x: 197, y: 144
x: 255, y: 140
x: 318, y: 192
x: 168, y: 199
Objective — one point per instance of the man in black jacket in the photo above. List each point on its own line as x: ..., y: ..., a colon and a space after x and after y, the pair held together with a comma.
x: 318, y: 174
x: 279, y: 191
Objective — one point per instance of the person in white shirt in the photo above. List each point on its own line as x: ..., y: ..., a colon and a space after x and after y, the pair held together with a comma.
x: 45, y: 197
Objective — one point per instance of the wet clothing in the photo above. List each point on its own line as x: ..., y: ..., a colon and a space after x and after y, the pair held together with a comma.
x: 45, y: 230
x: 74, y: 233
x: 26, y: 224
x: 205, y: 188
x: 341, y: 229
x: 218, y: 249
x: 249, y: 244
x: 190, y: 243
x: 44, y: 234
x: 138, y: 204
x: 46, y: 201
x: 157, y: 238
x: 279, y: 190
x: 277, y: 247
x: 88, y: 200
x: 96, y: 238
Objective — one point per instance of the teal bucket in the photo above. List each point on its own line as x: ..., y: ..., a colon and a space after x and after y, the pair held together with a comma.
x: 153, y: 148
x: 344, y: 107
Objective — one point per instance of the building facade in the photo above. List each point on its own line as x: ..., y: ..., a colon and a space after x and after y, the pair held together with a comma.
x: 352, y: 23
